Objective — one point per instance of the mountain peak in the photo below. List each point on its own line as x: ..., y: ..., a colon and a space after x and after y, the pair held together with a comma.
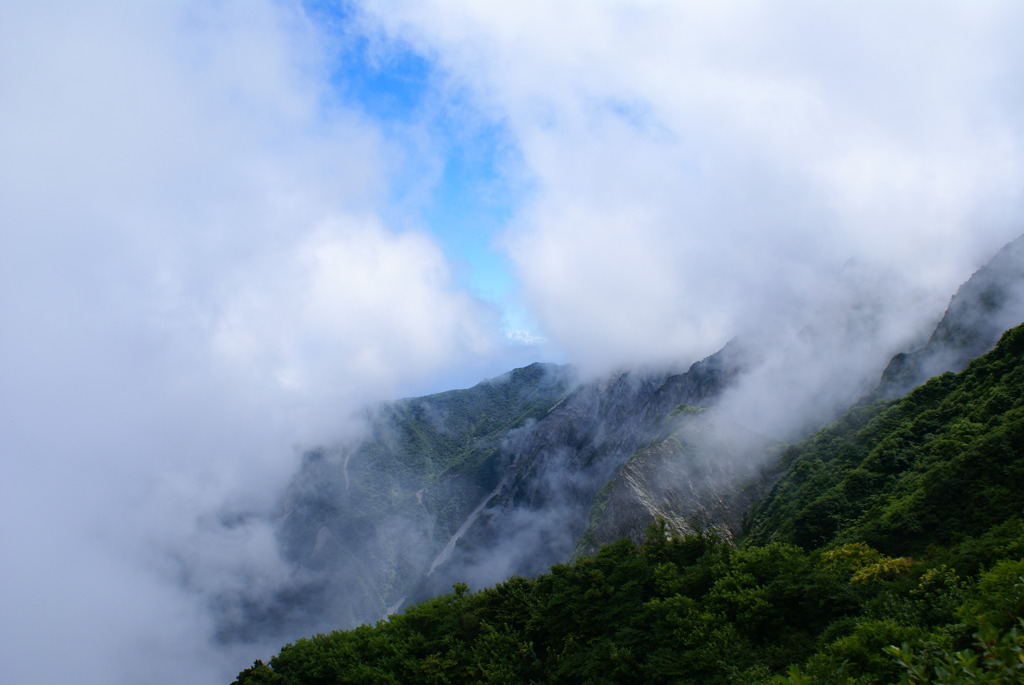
x: 990, y: 302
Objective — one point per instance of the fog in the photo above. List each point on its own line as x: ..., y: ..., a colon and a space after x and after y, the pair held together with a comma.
x: 210, y: 260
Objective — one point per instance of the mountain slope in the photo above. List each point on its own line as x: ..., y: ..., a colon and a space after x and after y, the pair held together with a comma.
x: 935, y: 474
x: 510, y: 477
x: 941, y: 465
x: 557, y: 465
x: 695, y: 477
x: 475, y: 485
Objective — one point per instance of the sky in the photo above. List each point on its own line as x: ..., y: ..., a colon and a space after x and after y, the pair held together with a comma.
x: 226, y: 225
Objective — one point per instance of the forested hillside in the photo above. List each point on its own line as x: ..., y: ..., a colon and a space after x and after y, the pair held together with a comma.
x: 890, y: 549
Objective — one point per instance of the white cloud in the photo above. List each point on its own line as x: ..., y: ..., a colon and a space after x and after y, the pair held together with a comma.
x: 195, y: 277
x: 350, y: 313
x: 697, y: 163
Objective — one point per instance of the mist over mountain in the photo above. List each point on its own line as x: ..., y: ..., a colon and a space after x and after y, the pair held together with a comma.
x: 535, y: 467
x: 361, y: 522
x: 887, y: 547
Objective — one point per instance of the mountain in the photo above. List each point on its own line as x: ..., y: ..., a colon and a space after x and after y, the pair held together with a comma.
x: 361, y: 522
x: 941, y: 466
x: 889, y: 549
x: 557, y: 465
x: 695, y: 477
x: 476, y: 484
x: 536, y: 468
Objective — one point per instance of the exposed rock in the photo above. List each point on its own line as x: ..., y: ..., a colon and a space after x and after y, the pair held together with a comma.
x: 989, y: 303
x: 556, y: 466
x: 693, y: 479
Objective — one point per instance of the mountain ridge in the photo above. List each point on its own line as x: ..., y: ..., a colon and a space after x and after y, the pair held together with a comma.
x: 988, y: 303
x: 568, y: 466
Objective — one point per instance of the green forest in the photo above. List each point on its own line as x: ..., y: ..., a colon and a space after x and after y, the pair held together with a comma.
x: 889, y: 550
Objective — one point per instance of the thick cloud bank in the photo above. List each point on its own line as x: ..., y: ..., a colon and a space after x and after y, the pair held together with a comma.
x: 696, y: 165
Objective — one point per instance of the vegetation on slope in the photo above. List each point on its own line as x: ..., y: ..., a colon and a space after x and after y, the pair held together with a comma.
x: 891, y: 550
x: 942, y: 465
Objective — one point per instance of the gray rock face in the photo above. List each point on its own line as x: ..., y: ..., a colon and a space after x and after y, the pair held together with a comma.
x: 989, y: 303
x: 557, y: 465
x: 694, y: 478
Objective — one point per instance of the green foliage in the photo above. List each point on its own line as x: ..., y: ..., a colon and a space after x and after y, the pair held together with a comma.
x: 1000, y: 601
x: 693, y: 609
x: 890, y: 550
x: 893, y: 474
x: 996, y: 656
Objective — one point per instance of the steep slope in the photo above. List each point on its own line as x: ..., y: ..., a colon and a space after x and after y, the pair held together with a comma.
x: 468, y: 485
x: 943, y: 464
x: 694, y: 477
x: 990, y: 302
x: 935, y: 474
x: 699, y: 475
x: 557, y: 465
